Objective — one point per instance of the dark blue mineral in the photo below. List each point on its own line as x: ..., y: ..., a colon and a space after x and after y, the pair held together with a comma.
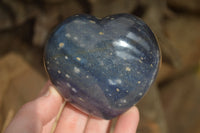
x: 102, y: 66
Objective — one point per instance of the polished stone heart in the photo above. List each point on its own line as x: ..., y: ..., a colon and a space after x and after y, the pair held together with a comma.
x: 102, y: 66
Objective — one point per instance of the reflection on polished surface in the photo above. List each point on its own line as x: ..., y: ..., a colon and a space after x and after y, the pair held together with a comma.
x: 138, y: 40
x: 102, y: 66
x: 121, y: 45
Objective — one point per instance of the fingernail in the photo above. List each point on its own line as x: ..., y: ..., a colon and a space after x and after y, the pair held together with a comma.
x: 135, y: 109
x: 132, y: 109
x: 53, y: 91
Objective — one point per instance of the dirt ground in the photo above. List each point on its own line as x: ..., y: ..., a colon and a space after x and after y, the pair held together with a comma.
x: 172, y: 104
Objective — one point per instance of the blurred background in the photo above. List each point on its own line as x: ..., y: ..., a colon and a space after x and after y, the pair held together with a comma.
x: 173, y: 103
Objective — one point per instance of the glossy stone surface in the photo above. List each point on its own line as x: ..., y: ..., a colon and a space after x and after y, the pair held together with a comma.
x: 102, y: 66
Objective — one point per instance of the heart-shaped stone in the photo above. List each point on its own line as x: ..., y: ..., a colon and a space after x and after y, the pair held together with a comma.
x: 102, y: 66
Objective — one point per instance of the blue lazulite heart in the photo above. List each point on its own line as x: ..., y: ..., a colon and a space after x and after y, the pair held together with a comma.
x: 102, y: 66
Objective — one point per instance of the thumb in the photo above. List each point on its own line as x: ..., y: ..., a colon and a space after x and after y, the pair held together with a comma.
x: 34, y: 115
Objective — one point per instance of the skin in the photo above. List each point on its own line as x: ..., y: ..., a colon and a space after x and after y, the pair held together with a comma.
x: 38, y: 116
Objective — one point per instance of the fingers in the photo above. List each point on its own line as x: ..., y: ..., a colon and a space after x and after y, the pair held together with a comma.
x: 128, y: 122
x: 71, y: 121
x: 39, y: 115
x: 33, y: 115
x: 96, y: 125
x: 74, y: 121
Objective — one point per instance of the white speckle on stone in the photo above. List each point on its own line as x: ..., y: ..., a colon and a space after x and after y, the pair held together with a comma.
x: 47, y: 62
x: 140, y: 93
x: 66, y: 57
x: 98, y: 18
x: 106, y: 89
x: 101, y: 33
x: 59, y: 71
x: 128, y: 69
x: 57, y: 62
x: 81, y: 99
x: 114, y: 81
x: 119, y: 104
x: 140, y: 61
x: 78, y: 58
x: 67, y: 76
x: 112, y: 18
x: 68, y: 84
x: 91, y: 21
x: 61, y: 45
x: 139, y: 82
x: 74, y: 90
x: 76, y: 70
x: 87, y: 76
x: 75, y: 38
x: 67, y: 35
x: 124, y: 101
x: 110, y: 94
x: 82, y: 45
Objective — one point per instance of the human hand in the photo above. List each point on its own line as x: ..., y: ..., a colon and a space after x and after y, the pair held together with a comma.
x: 38, y: 116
